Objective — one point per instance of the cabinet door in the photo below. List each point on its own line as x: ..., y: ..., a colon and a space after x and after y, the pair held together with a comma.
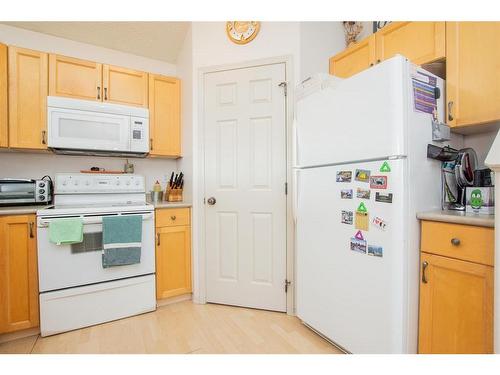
x: 125, y: 86
x: 165, y: 115
x: 354, y: 59
x: 456, y: 306
x: 173, y: 261
x: 420, y: 42
x: 28, y: 89
x: 4, y: 142
x: 18, y: 273
x: 472, y: 71
x: 75, y: 78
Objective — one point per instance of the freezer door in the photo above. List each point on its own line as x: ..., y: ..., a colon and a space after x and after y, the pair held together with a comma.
x: 356, y: 299
x: 360, y: 118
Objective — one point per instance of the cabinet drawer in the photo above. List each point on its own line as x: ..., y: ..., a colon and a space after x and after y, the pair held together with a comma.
x: 167, y: 217
x: 465, y: 242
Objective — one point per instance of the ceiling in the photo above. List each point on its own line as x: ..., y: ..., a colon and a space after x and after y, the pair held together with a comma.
x: 156, y: 40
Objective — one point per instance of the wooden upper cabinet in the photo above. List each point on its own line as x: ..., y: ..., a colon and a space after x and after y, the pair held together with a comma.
x: 75, y: 78
x: 472, y: 72
x: 420, y: 42
x: 354, y: 59
x: 28, y: 89
x: 18, y: 273
x: 125, y: 86
x: 4, y: 134
x: 165, y: 115
x: 456, y: 306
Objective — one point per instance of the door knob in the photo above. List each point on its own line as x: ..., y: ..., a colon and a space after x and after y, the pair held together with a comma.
x: 211, y: 201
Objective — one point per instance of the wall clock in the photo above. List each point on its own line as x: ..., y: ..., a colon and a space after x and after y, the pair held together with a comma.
x: 242, y: 32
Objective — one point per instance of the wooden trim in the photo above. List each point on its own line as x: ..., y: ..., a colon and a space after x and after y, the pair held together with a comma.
x: 4, y: 134
x: 452, y: 71
x: 11, y: 336
x: 169, y: 301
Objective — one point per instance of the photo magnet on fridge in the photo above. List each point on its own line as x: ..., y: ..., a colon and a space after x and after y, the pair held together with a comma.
x: 362, y: 175
x: 347, y: 217
x: 384, y: 198
x: 363, y: 193
x: 376, y: 251
x: 362, y: 220
x: 358, y: 245
x: 346, y: 194
x: 378, y: 182
x: 379, y: 223
x: 344, y: 176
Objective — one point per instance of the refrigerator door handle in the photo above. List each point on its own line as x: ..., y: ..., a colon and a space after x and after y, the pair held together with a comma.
x: 295, y: 200
x: 295, y: 142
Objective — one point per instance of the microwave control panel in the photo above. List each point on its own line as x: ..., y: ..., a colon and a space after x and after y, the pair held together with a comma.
x: 139, y: 137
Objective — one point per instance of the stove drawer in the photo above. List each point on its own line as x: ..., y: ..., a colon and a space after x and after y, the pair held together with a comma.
x: 169, y: 217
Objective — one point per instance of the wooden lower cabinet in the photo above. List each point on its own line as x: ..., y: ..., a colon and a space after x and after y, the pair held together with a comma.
x: 173, y: 254
x: 456, y: 294
x: 18, y: 273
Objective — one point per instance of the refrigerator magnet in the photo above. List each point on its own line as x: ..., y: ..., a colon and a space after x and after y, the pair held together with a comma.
x: 358, y: 245
x: 363, y: 193
x: 347, y: 217
x: 359, y: 235
x: 379, y: 223
x: 362, y: 220
x: 346, y: 194
x: 362, y: 208
x: 376, y: 251
x: 385, y: 167
x: 384, y: 198
x: 378, y: 182
x: 344, y: 176
x: 362, y: 175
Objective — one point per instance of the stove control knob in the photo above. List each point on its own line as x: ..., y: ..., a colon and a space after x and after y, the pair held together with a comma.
x: 117, y: 182
x: 137, y: 182
x: 128, y: 182
x: 76, y: 182
x: 64, y: 183
x: 87, y: 182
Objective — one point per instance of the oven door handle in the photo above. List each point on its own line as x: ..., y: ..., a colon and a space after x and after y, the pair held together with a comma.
x: 44, y: 223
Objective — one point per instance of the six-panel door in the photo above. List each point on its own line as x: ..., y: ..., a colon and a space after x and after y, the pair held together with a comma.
x: 125, y: 86
x: 28, y: 89
x: 456, y: 306
x: 472, y: 72
x: 75, y: 78
x: 18, y: 273
x: 165, y: 115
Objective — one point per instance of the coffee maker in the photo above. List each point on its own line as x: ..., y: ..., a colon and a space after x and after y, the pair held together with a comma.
x: 457, y: 173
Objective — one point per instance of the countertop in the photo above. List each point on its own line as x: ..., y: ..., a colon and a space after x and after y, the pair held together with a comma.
x: 170, y: 204
x: 21, y: 210
x: 458, y: 217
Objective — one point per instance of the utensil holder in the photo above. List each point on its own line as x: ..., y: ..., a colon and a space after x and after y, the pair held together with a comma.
x: 174, y: 195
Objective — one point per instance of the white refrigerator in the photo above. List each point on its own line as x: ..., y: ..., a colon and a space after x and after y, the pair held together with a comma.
x: 361, y: 174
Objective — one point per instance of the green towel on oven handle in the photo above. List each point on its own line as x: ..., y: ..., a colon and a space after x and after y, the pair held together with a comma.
x: 121, y: 239
x: 66, y: 231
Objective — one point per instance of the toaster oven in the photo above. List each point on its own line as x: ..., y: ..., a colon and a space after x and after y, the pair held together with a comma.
x: 14, y: 191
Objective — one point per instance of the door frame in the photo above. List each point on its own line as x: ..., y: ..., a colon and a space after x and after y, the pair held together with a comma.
x: 200, y: 259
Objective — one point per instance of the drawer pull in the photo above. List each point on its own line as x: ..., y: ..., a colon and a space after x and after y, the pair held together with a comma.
x: 455, y: 241
x: 173, y: 217
x: 424, y: 267
x: 158, y: 239
x: 31, y: 225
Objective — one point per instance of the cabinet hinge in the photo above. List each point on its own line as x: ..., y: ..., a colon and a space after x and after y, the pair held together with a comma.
x: 284, y: 84
x: 287, y: 284
x: 286, y: 188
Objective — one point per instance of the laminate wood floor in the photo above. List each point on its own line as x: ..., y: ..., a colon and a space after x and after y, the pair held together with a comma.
x: 185, y: 327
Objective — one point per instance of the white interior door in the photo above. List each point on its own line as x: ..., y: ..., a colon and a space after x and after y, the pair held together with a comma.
x: 245, y: 172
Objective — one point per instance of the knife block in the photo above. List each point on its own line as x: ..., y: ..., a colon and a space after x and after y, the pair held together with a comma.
x: 173, y: 195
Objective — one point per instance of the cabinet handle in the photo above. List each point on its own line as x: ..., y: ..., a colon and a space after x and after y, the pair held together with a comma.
x: 158, y: 239
x: 450, y: 115
x: 31, y: 224
x: 173, y: 217
x: 455, y: 241
x: 44, y: 141
x: 378, y: 61
x: 424, y: 267
x: 371, y: 64
x: 150, y: 144
x: 105, y: 93
x: 98, y: 92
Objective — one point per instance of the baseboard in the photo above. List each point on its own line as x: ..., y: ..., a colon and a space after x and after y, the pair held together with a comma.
x: 11, y: 336
x: 169, y: 301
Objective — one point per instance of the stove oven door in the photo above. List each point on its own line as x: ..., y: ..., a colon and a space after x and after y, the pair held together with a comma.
x: 65, y: 266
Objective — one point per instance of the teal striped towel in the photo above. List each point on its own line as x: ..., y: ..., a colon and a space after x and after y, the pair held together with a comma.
x: 121, y: 239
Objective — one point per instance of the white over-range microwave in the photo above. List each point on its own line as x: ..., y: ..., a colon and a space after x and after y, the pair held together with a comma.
x: 85, y: 127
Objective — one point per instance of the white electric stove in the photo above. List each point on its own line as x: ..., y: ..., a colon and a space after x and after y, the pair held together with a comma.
x: 75, y: 290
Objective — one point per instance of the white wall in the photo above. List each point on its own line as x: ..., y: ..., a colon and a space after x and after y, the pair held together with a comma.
x: 481, y: 143
x: 35, y: 165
